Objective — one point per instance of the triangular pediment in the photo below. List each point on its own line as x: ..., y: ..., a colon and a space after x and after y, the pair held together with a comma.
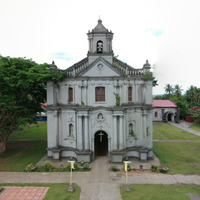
x: 100, y: 68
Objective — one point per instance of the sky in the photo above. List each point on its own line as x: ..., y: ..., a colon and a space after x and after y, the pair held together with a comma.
x: 166, y: 32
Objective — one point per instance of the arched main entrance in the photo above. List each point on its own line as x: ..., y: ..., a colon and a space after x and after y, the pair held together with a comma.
x: 101, y: 143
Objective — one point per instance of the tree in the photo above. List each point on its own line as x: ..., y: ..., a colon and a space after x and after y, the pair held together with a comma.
x: 22, y: 89
x: 178, y: 90
x: 169, y: 90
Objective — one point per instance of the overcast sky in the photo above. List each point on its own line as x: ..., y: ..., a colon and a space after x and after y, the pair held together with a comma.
x: 166, y: 32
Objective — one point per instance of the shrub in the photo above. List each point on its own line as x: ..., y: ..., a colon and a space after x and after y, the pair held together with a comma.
x: 48, y: 166
x: 82, y: 163
x: 29, y: 167
x: 164, y: 170
x: 128, y: 167
x: 154, y: 168
x: 76, y: 166
x: 68, y: 167
x: 86, y: 166
x: 114, y: 168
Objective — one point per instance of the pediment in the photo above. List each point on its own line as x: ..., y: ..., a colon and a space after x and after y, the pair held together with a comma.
x: 100, y: 68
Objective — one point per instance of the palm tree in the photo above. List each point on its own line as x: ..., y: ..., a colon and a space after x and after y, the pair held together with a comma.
x: 169, y: 89
x: 190, y: 95
x: 178, y: 90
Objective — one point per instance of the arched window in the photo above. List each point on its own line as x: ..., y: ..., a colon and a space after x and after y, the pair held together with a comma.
x: 70, y: 95
x: 100, y: 94
x: 71, y: 130
x: 99, y: 46
x: 129, y: 93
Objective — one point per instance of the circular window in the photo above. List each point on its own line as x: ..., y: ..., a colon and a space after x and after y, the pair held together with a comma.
x: 100, y: 67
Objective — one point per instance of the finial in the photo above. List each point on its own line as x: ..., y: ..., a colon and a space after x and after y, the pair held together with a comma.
x: 53, y: 66
x: 147, y: 65
x: 99, y: 21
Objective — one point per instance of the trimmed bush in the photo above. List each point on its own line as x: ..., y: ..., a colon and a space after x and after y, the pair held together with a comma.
x: 154, y: 168
x: 114, y: 168
x: 86, y: 166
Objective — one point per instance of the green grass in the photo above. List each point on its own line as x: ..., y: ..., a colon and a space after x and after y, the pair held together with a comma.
x: 19, y: 154
x: 36, y: 132
x: 164, y: 131
x: 158, y: 192
x: 180, y: 158
x: 195, y: 127
x: 56, y: 191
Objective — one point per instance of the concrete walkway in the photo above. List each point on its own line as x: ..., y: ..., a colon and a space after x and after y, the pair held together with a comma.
x: 99, y: 183
x: 185, y: 126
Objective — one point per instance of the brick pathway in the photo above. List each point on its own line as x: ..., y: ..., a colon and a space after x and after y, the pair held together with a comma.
x: 23, y: 193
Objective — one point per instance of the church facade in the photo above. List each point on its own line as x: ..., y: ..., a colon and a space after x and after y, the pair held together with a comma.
x: 102, y: 108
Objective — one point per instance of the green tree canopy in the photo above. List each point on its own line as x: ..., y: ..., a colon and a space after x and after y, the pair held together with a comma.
x: 22, y: 89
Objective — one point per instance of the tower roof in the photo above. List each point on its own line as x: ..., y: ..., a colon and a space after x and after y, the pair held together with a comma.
x: 99, y: 27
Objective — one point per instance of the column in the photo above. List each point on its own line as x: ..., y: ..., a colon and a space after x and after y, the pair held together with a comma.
x: 136, y: 93
x: 80, y: 138
x: 109, y: 148
x: 86, y: 95
x: 56, y: 128
x: 86, y: 145
x: 92, y: 148
x: 121, y: 145
x: 144, y: 124
x: 114, y: 132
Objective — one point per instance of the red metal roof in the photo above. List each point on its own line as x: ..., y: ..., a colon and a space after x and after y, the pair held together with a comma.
x: 44, y: 104
x: 164, y: 104
x: 195, y: 108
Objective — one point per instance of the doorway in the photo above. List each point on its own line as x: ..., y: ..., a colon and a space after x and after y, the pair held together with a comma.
x: 101, y: 143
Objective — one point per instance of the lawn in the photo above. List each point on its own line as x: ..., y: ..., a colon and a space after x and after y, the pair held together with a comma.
x: 165, y: 131
x: 195, y: 127
x: 180, y: 158
x: 56, y: 191
x: 159, y: 192
x: 38, y: 131
x: 19, y: 154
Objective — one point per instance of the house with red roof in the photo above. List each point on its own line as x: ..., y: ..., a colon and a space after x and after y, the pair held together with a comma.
x: 165, y: 110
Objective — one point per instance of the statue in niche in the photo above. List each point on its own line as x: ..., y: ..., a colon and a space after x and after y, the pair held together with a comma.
x: 99, y: 47
x: 71, y: 130
x: 100, y: 116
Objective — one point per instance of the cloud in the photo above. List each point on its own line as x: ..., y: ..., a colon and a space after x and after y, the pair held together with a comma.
x: 155, y: 32
x: 61, y: 56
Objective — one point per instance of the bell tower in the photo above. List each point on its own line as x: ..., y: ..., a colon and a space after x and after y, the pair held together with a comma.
x: 100, y: 43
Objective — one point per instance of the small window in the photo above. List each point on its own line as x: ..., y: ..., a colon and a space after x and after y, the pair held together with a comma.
x: 156, y: 114
x: 70, y: 95
x: 100, y: 94
x: 130, y: 94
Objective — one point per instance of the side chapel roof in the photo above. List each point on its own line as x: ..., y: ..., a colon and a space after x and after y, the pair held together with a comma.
x: 164, y: 104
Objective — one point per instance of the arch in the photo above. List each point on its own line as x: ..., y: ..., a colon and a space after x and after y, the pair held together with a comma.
x: 168, y: 116
x: 101, y: 143
x: 99, y: 46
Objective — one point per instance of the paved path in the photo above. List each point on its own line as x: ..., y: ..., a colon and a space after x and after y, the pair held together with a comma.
x: 185, y: 126
x: 100, y: 183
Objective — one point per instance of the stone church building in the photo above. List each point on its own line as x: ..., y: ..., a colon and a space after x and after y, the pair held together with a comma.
x: 102, y: 108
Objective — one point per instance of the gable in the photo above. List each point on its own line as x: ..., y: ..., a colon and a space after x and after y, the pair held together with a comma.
x: 100, y: 68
